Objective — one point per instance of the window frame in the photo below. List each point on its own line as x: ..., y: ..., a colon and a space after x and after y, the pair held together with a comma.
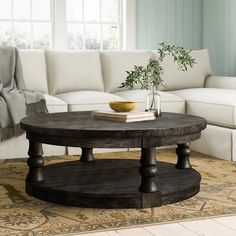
x: 101, y: 23
x: 129, y: 24
x: 31, y: 21
x: 58, y: 21
x: 60, y: 25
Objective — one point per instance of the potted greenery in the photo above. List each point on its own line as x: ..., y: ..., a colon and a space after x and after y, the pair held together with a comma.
x: 150, y: 76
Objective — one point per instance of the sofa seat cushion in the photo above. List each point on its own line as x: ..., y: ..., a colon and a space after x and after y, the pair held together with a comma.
x: 218, y: 106
x: 169, y: 102
x: 55, y: 104
x: 88, y: 100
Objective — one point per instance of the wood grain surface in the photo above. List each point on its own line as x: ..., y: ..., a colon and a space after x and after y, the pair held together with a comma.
x: 81, y: 129
x: 113, y: 184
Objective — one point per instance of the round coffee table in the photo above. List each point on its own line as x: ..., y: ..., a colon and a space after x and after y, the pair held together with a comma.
x: 112, y: 183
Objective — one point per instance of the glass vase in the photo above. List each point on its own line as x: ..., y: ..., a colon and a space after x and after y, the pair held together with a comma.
x: 153, y: 102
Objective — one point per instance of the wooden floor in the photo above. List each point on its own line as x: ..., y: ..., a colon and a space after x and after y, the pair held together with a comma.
x: 225, y: 226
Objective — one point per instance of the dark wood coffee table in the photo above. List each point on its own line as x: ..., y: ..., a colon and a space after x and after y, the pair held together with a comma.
x: 112, y: 183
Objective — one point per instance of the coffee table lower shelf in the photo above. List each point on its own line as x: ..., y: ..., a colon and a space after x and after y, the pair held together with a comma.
x: 111, y: 183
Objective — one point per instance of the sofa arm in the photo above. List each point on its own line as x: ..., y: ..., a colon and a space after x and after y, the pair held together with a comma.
x: 224, y: 82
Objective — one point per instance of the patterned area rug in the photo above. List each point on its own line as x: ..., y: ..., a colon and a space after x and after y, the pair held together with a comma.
x: 24, y: 215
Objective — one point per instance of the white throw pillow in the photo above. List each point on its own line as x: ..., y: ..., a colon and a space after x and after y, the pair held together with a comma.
x: 34, y: 70
x: 70, y: 71
x: 193, y: 78
x: 116, y: 63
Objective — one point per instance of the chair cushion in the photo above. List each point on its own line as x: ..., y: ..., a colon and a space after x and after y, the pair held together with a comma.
x: 169, y: 102
x: 34, y: 70
x: 218, y: 106
x: 70, y: 71
x: 116, y: 63
x: 88, y: 100
x: 193, y: 78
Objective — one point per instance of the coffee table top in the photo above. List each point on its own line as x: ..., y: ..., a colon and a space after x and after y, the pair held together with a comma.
x: 83, y: 125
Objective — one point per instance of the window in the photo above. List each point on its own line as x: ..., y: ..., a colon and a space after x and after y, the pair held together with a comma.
x: 94, y: 24
x: 25, y: 23
x: 63, y: 24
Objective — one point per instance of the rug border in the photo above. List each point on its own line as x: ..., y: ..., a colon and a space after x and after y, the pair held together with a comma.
x: 147, y: 225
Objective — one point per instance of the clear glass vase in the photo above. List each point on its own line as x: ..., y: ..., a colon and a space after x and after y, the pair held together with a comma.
x: 153, y: 102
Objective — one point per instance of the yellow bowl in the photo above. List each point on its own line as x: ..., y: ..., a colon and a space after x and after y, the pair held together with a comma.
x: 122, y: 106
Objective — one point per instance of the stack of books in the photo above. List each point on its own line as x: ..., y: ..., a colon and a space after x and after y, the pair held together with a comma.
x: 125, y: 117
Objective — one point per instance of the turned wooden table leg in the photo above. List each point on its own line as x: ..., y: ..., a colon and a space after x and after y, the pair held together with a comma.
x: 183, y: 152
x: 148, y: 170
x: 35, y: 162
x: 87, y: 155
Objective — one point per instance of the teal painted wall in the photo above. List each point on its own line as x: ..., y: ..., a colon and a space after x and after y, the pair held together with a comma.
x: 219, y: 35
x: 174, y: 21
x: 194, y: 24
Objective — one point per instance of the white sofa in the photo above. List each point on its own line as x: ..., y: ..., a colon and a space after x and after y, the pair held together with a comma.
x: 77, y: 81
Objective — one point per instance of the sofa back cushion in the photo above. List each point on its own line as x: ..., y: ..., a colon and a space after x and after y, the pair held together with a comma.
x: 116, y: 63
x: 70, y: 71
x: 34, y: 70
x: 193, y: 78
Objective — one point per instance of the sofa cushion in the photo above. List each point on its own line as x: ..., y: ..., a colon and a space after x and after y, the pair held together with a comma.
x: 193, y: 78
x: 88, y: 100
x: 34, y: 70
x: 70, y: 71
x: 17, y: 147
x: 116, y: 63
x: 218, y: 106
x: 55, y: 104
x: 169, y: 102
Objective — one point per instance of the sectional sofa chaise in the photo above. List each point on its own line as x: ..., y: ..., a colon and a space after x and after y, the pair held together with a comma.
x: 88, y: 80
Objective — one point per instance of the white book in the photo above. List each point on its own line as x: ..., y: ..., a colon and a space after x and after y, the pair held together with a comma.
x: 124, y: 116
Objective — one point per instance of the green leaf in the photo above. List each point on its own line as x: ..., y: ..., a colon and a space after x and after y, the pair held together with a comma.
x: 151, y: 74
